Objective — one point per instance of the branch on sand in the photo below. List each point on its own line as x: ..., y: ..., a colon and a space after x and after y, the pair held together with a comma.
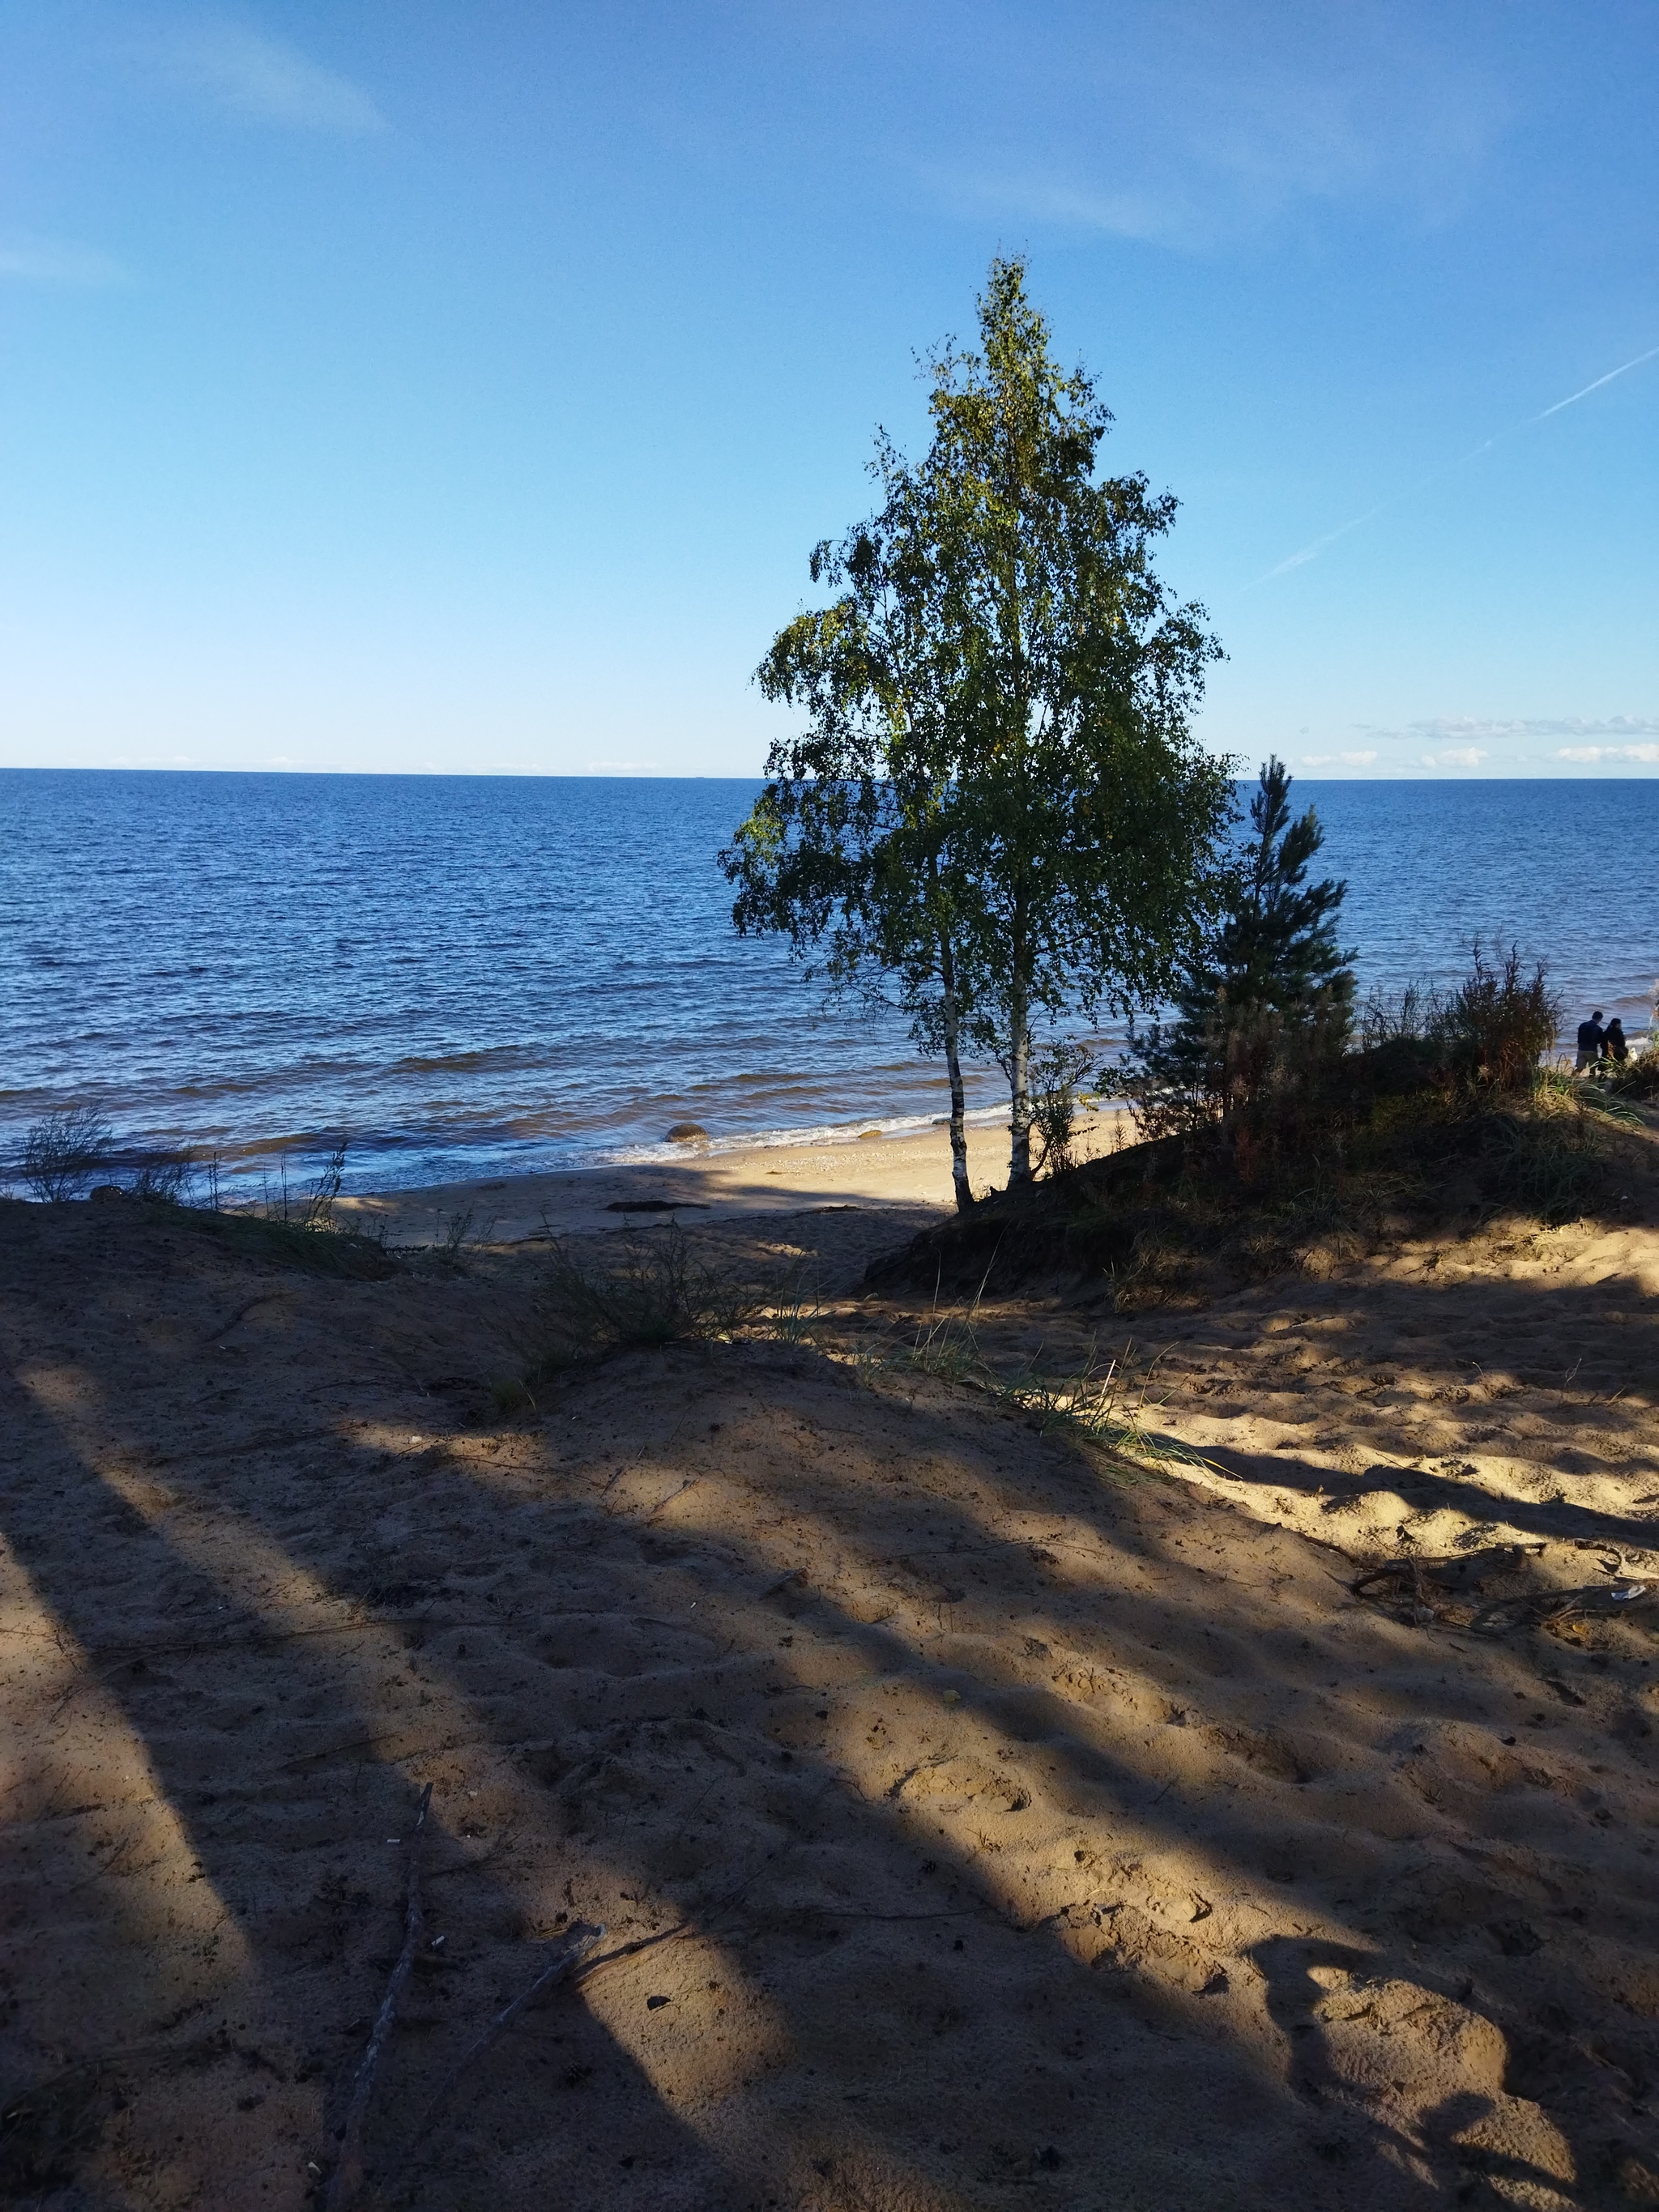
x: 348, y: 2176
x: 572, y: 1950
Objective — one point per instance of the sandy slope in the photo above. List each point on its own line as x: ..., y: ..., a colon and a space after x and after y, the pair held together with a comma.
x: 996, y: 1823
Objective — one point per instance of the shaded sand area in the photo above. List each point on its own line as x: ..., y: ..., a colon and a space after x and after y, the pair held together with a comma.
x: 870, y: 1171
x: 974, y: 1819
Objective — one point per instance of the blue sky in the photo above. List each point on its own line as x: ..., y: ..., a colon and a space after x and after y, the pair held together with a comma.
x: 398, y: 385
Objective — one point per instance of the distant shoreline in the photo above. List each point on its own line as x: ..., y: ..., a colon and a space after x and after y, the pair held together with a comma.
x: 755, y: 777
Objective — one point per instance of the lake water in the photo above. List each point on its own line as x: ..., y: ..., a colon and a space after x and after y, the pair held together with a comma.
x: 474, y: 975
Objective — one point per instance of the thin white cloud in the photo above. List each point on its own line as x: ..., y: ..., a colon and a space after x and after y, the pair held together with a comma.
x: 1545, y: 726
x: 259, y: 77
x: 1458, y: 757
x: 1342, y: 760
x: 1312, y: 550
x: 621, y: 767
x: 1119, y: 215
x: 1468, y: 729
x: 1647, y: 755
x: 58, y: 261
x: 1149, y: 132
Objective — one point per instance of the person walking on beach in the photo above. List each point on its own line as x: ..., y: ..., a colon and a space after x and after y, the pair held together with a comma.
x: 1591, y: 1038
x: 1613, y: 1040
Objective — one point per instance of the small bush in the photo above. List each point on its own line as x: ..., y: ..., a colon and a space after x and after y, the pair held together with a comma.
x: 1500, y: 1023
x: 289, y: 1244
x: 1413, y: 1015
x: 1637, y: 1079
x: 516, y: 1394
x: 793, y: 1313
x: 62, y: 1153
x: 1108, y: 1405
x: 459, y: 1237
x: 1442, y: 1115
x: 1057, y: 1098
x: 297, y: 1229
x: 1267, y: 1076
x: 946, y: 1346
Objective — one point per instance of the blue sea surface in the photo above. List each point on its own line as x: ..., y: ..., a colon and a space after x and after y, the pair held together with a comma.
x: 475, y: 976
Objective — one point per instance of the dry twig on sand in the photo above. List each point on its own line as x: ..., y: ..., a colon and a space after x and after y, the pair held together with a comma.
x: 1456, y: 1592
x: 574, y: 1947
x: 348, y: 2176
x: 1559, y: 1609
x: 573, y: 1957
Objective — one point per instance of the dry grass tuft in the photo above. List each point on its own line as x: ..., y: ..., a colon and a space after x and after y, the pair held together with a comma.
x: 653, y: 1291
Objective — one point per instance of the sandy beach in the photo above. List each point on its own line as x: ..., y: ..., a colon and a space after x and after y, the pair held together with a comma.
x: 909, y: 1173
x: 974, y: 1815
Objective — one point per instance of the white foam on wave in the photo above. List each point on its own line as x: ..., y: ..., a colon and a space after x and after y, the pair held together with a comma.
x: 820, y: 1135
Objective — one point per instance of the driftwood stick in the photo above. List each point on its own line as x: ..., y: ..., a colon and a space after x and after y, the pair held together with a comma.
x: 690, y: 1483
x: 573, y: 1958
x: 574, y: 1947
x: 348, y: 2176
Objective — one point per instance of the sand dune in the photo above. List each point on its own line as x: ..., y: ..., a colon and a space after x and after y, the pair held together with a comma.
x: 974, y: 1818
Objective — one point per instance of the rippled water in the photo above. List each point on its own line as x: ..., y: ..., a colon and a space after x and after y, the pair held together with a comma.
x: 474, y: 974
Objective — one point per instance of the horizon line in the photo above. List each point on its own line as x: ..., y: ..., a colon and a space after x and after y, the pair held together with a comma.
x: 586, y: 775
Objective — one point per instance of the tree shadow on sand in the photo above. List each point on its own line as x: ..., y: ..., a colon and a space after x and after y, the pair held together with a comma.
x: 928, y: 1631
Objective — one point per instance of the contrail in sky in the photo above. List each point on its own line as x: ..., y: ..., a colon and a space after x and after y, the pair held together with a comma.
x: 1596, y: 386
x: 1312, y: 552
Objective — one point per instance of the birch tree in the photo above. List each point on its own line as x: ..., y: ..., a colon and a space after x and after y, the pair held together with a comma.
x: 996, y: 813
x: 1083, y: 808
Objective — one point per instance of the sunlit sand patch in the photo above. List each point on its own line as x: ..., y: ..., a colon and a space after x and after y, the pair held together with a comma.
x: 112, y: 1914
x: 60, y: 1390
x: 921, y: 1741
x: 719, y: 2029
x: 909, y: 1708
x: 70, y: 1755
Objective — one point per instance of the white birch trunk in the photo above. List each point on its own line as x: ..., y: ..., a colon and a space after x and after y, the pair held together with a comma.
x: 1020, y: 1069
x: 952, y: 1026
